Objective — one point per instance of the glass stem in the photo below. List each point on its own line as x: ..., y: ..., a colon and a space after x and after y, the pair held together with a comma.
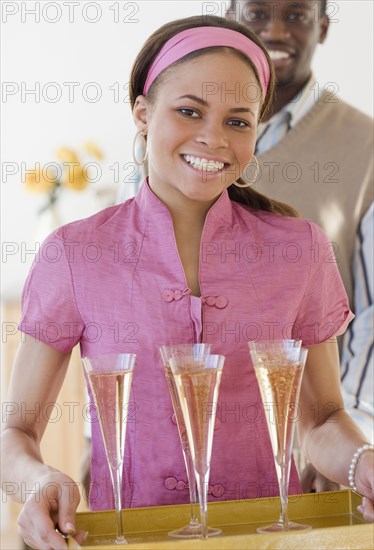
x: 192, y: 485
x: 117, y: 491
x: 283, y: 492
x: 202, y: 487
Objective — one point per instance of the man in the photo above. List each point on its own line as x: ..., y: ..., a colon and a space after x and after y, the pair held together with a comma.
x: 315, y: 153
x: 358, y: 350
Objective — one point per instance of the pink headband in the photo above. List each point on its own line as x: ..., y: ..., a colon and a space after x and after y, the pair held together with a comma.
x: 198, y: 38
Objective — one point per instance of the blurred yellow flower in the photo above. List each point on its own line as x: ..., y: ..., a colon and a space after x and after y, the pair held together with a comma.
x: 75, y: 177
x: 70, y: 174
x: 93, y: 149
x: 66, y: 155
x: 37, y: 183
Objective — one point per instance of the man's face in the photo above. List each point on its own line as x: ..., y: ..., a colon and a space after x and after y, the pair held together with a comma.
x: 289, y: 29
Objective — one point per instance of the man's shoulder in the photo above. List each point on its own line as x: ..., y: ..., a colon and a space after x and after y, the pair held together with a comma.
x: 338, y: 107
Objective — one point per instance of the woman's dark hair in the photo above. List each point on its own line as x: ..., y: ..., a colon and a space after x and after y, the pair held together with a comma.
x: 157, y: 40
x: 247, y: 196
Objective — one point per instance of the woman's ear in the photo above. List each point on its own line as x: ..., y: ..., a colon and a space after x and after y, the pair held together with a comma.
x: 140, y: 114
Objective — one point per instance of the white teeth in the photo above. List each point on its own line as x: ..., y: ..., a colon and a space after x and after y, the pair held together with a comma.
x: 204, y: 164
x: 275, y: 55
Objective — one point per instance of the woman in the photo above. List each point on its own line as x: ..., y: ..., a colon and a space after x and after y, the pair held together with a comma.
x: 193, y: 257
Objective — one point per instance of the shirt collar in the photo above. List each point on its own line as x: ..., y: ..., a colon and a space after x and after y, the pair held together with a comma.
x: 301, y: 104
x: 294, y: 111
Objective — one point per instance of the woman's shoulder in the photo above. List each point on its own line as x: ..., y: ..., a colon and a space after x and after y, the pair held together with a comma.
x: 277, y: 224
x: 106, y: 221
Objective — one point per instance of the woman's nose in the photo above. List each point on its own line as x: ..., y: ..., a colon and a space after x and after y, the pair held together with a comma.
x: 213, y: 135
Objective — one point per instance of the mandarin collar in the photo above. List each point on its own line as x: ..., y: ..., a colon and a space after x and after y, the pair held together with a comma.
x: 221, y: 212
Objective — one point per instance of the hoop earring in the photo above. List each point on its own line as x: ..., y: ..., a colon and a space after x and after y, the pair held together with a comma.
x: 141, y: 162
x: 242, y: 186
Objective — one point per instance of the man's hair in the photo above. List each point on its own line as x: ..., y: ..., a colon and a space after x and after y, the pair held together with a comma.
x: 323, y: 6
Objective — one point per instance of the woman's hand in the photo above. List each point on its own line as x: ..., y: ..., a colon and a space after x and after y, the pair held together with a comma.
x: 313, y: 481
x: 37, y: 377
x: 327, y: 434
x: 365, y: 484
x: 367, y: 509
x: 52, y: 505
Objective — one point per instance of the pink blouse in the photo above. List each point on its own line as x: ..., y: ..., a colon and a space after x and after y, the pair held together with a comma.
x: 114, y: 282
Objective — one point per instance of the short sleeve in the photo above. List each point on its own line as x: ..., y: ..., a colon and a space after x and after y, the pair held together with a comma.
x: 48, y: 308
x: 324, y: 310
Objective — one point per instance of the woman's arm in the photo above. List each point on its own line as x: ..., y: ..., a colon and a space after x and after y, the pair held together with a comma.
x: 52, y: 497
x: 328, y: 435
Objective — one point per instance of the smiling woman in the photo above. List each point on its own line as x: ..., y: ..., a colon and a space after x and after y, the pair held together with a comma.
x: 255, y: 92
x: 210, y: 262
x: 203, y: 133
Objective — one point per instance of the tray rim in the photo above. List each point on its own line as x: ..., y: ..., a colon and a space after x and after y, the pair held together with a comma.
x: 347, y: 503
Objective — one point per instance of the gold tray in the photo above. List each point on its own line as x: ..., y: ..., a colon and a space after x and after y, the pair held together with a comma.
x: 333, y: 517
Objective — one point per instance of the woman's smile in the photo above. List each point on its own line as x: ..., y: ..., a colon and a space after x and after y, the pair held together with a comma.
x: 203, y: 164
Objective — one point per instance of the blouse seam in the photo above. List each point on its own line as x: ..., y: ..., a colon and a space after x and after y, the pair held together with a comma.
x: 143, y: 234
x: 310, y: 264
x: 72, y: 280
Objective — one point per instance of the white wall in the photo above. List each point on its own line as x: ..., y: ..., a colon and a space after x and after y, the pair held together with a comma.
x: 40, y: 52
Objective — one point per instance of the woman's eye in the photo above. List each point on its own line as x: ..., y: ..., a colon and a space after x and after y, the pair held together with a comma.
x: 189, y: 112
x: 239, y: 123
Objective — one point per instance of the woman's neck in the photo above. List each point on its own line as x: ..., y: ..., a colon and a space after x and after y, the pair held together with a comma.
x: 188, y: 222
x: 185, y: 212
x: 188, y: 228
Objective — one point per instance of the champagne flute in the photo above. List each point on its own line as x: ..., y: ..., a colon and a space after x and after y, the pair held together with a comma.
x: 197, y: 382
x: 199, y: 352
x: 279, y: 369
x: 110, y: 377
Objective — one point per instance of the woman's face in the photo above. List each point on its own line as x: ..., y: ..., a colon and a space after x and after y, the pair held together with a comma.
x: 200, y: 127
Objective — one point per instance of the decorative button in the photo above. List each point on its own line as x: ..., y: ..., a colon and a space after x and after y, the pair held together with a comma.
x: 180, y: 486
x: 221, y: 302
x: 170, y: 483
x: 178, y: 294
x: 218, y: 490
x: 168, y: 295
x: 174, y: 419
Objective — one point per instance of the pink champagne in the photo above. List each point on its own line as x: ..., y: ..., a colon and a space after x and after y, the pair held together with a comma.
x: 280, y: 387
x: 177, y: 407
x: 111, y: 394
x: 198, y: 393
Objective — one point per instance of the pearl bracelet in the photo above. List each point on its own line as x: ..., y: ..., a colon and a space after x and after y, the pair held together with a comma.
x: 354, y: 462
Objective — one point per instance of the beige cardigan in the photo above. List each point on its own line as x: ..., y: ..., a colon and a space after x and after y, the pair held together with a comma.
x: 323, y: 167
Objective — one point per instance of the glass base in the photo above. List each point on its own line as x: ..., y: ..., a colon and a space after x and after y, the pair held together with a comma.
x: 104, y: 541
x: 280, y: 527
x: 193, y: 531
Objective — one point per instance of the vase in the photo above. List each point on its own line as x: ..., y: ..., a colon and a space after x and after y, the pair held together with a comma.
x: 48, y: 221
